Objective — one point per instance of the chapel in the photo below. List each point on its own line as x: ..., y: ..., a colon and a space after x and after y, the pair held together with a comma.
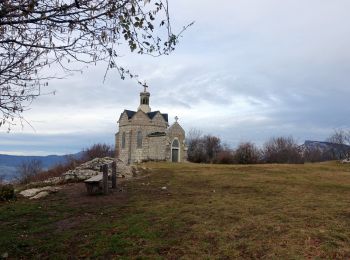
x: 145, y: 135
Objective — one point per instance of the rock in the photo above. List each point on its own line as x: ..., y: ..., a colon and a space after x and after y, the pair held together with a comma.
x: 5, y: 255
x: 87, y: 169
x: 53, y: 180
x: 124, y: 170
x: 92, y: 168
x: 33, y: 192
x: 40, y: 195
x: 29, y: 192
x: 345, y: 161
x: 164, y: 188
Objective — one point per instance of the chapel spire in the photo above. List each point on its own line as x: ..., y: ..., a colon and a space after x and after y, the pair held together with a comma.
x: 144, y: 100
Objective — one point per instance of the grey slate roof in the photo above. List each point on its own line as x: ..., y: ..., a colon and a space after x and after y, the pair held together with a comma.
x: 130, y: 114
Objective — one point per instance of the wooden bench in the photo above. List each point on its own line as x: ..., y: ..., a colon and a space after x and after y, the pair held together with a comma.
x: 99, y: 183
x: 94, y: 184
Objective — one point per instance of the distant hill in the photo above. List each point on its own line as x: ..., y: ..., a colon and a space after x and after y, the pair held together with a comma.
x: 9, y: 163
x: 325, y: 150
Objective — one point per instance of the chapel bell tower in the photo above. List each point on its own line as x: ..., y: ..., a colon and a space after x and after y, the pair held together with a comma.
x: 144, y: 101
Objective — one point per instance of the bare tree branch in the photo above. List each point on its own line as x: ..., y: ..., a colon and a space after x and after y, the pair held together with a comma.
x: 36, y: 34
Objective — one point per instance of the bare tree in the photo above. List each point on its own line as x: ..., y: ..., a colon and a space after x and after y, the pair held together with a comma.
x: 36, y: 34
x: 196, y: 150
x: 247, y: 153
x: 282, y: 150
x: 98, y: 151
x: 212, y: 145
x: 28, y: 170
x: 342, y: 139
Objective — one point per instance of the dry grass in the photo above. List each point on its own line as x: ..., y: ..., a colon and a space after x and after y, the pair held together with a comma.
x: 207, y: 211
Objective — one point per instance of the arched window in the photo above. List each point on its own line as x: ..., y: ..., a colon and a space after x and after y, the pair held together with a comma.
x: 176, y: 143
x: 123, y: 140
x: 139, y: 139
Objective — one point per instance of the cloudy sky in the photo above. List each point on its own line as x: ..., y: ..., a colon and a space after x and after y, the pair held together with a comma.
x: 247, y: 70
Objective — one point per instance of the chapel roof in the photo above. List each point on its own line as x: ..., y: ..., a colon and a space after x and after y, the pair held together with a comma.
x: 130, y: 114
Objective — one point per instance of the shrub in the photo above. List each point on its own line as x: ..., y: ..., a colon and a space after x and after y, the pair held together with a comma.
x: 203, y: 149
x: 28, y: 170
x: 247, y: 153
x: 225, y: 156
x: 98, y: 151
x: 7, y: 192
x: 282, y: 150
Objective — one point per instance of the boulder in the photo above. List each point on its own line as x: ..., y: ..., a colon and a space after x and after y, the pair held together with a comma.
x: 40, y: 195
x: 345, y: 161
x: 29, y: 193
x: 87, y: 169
x: 92, y: 168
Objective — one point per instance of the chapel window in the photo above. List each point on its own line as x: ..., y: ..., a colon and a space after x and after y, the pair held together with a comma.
x: 123, y: 140
x: 139, y: 139
x: 176, y: 143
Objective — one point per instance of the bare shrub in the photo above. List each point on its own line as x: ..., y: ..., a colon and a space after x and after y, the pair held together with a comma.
x: 195, y: 146
x: 202, y: 149
x: 58, y: 169
x: 98, y: 151
x: 28, y: 170
x: 225, y: 156
x: 314, y: 155
x: 342, y: 139
x: 212, y: 146
x: 247, y: 153
x: 282, y: 150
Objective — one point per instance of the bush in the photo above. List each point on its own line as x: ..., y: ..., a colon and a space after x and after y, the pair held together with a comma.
x: 282, y: 150
x: 7, y: 192
x: 203, y: 149
x: 28, y: 170
x: 225, y: 156
x: 98, y: 151
x: 247, y: 153
x: 58, y: 169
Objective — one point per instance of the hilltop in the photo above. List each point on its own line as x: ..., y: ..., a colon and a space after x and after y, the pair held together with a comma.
x: 196, y: 211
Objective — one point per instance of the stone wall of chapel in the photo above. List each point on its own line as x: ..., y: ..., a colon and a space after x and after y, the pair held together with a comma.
x: 116, y: 148
x: 156, y: 148
x: 140, y: 154
x: 123, y: 120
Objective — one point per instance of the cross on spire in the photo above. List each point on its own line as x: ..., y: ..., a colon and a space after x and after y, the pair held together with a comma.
x: 176, y: 118
x: 145, y: 88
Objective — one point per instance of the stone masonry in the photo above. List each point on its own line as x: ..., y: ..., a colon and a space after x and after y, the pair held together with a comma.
x: 146, y: 136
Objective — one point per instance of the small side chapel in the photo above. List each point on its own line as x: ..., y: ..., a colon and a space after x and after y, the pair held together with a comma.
x: 145, y: 135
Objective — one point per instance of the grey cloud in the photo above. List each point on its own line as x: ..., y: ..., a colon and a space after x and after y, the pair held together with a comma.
x: 267, y: 67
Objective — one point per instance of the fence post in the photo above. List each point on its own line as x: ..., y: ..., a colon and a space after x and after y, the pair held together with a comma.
x: 105, y: 178
x: 114, y: 175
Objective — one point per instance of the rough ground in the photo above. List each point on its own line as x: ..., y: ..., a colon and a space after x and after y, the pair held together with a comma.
x: 205, y: 211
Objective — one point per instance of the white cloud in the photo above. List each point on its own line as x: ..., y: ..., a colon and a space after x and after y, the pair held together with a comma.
x: 246, y: 70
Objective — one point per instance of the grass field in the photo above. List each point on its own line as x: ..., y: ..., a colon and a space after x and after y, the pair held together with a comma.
x: 206, y: 212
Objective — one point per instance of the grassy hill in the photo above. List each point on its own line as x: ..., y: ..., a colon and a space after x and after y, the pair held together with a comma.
x: 205, y: 212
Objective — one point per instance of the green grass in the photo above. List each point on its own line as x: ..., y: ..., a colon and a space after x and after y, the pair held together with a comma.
x: 206, y: 212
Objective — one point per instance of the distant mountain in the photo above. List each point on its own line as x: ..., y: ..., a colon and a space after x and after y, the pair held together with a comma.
x: 9, y: 163
x: 324, y: 150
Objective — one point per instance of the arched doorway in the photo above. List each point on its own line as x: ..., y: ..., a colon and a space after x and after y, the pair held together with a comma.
x: 175, y: 151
